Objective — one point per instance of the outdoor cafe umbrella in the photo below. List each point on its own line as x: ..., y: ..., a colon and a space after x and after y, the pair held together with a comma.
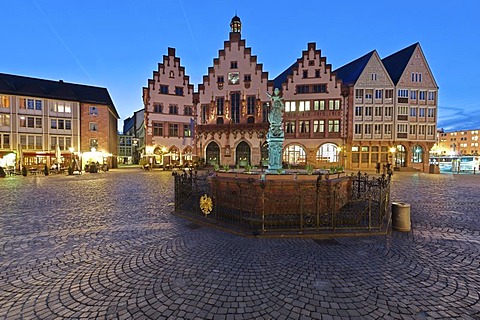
x: 58, y: 154
x: 20, y: 156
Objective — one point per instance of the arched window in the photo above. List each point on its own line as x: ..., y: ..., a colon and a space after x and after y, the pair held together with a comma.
x: 294, y: 154
x: 159, y: 153
x: 417, y: 154
x: 327, y: 152
x: 174, y: 154
x: 187, y: 154
x: 213, y: 153
x: 242, y: 154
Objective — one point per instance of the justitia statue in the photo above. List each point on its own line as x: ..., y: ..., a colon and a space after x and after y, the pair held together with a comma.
x: 275, y: 135
x: 275, y: 116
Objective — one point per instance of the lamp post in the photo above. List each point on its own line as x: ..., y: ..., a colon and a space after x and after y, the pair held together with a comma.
x: 135, y: 145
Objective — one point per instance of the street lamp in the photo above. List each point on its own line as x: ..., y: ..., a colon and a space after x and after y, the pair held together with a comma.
x: 135, y: 146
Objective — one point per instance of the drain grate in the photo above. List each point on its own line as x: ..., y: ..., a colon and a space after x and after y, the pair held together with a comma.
x: 326, y: 242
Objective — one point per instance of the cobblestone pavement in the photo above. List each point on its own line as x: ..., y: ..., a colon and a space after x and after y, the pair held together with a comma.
x: 107, y: 246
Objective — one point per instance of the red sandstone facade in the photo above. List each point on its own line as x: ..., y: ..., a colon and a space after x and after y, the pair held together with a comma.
x: 371, y: 111
x: 314, y: 111
x: 232, y: 106
x: 169, y: 113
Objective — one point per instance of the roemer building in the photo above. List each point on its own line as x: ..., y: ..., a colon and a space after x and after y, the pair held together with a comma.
x: 367, y: 113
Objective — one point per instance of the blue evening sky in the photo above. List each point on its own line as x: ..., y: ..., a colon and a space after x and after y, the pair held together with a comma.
x: 117, y: 44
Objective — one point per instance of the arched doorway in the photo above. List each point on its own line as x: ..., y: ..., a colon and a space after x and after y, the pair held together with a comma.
x: 417, y: 154
x: 187, y: 156
x: 173, y: 157
x: 328, y: 152
x: 213, y: 154
x: 401, y: 156
x: 295, y: 154
x: 242, y: 154
x: 159, y: 153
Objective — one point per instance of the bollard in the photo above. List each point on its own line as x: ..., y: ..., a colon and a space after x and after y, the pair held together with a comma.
x: 401, y: 216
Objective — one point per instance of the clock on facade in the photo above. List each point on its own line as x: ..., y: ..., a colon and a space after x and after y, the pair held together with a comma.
x: 233, y: 78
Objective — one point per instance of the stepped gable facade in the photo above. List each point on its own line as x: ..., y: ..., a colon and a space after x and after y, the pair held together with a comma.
x: 314, y: 110
x: 370, y: 111
x: 169, y: 113
x: 233, y: 105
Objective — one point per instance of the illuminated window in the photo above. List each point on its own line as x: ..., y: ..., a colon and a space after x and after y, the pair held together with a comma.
x: 5, y: 101
x: 294, y: 154
x: 318, y: 125
x: 327, y: 152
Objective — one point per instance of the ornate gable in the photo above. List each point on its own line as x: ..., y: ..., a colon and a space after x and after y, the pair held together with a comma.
x: 417, y: 73
x: 235, y: 87
x: 374, y: 74
x: 309, y: 75
x: 168, y: 96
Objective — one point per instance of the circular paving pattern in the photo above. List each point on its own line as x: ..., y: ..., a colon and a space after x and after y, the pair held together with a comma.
x: 107, y: 246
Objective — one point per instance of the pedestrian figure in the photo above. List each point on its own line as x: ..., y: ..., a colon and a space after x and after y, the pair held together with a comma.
x: 378, y: 167
x: 389, y: 169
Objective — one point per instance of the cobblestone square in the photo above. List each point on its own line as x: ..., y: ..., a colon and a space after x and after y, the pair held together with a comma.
x: 107, y: 246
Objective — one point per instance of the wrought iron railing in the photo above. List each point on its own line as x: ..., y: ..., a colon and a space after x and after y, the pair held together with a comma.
x: 360, y: 202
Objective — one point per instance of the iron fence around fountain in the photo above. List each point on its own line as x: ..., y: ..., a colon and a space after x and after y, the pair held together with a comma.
x: 354, y: 203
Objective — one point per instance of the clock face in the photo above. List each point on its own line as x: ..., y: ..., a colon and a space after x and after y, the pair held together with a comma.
x: 233, y: 78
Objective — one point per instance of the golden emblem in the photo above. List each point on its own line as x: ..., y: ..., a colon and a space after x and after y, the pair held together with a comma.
x: 206, y: 204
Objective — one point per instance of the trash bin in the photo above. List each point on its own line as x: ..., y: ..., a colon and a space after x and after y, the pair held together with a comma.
x: 401, y: 216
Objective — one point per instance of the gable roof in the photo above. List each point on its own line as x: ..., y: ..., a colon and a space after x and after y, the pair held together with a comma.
x: 397, y: 62
x: 282, y: 77
x: 350, y: 72
x: 34, y: 87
